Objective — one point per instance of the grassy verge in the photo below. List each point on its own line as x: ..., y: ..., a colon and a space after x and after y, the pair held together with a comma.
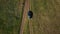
x: 10, y: 16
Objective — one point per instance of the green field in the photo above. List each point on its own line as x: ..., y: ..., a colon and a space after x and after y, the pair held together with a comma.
x: 46, y: 16
x: 10, y: 16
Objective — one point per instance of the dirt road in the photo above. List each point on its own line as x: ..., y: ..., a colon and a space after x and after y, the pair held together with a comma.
x: 30, y: 27
x: 24, y: 18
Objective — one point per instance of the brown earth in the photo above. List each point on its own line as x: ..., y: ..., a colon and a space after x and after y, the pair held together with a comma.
x: 24, y: 18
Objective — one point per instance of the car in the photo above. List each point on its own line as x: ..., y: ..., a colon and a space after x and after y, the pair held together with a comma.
x: 30, y: 14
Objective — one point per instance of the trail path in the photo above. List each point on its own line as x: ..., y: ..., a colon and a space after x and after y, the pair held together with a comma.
x: 24, y: 18
x: 30, y: 26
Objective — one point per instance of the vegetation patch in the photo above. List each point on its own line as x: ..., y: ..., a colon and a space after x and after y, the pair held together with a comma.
x: 10, y: 16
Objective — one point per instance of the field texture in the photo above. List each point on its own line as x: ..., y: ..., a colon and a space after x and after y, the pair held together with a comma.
x: 46, y: 16
x: 10, y: 16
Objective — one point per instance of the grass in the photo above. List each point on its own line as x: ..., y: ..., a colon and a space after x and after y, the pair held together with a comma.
x: 10, y: 16
x: 26, y: 28
x: 45, y: 16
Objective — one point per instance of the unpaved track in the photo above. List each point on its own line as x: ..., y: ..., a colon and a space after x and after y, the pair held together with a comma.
x: 30, y: 26
x: 24, y: 18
